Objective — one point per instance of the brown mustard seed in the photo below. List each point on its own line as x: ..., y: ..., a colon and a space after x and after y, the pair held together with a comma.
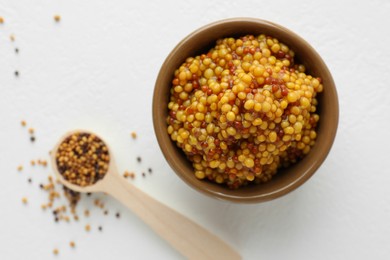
x: 1, y: 20
x: 12, y: 37
x: 55, y: 251
x: 87, y: 228
x: 72, y: 244
x: 134, y: 135
x: 32, y: 163
x: 24, y: 200
x: 20, y: 168
x: 31, y: 130
x: 57, y: 18
x: 23, y: 123
x: 86, y: 213
x: 82, y: 159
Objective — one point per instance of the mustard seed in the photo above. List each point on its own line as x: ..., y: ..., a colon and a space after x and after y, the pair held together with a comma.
x: 240, y: 124
x: 20, y: 168
x: 12, y: 37
x: 1, y: 20
x: 55, y: 251
x: 87, y: 228
x: 32, y: 139
x: 86, y: 213
x: 72, y: 244
x: 82, y: 159
x: 134, y: 135
x: 23, y: 123
x: 24, y: 200
x: 57, y: 18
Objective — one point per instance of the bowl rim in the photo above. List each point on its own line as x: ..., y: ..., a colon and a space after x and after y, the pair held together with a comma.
x: 164, y: 139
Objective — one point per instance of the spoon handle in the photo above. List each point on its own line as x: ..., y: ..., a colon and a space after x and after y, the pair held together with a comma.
x: 186, y: 236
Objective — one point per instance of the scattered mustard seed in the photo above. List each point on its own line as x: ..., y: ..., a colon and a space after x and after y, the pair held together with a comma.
x: 12, y: 37
x: 55, y: 251
x: 1, y: 20
x: 24, y: 200
x: 86, y: 213
x: 23, y: 123
x: 57, y: 18
x: 31, y: 130
x: 87, y: 228
x: 134, y: 135
x: 20, y: 168
x: 72, y: 244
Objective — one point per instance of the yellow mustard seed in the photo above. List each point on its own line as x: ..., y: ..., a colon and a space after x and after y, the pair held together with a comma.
x: 238, y: 110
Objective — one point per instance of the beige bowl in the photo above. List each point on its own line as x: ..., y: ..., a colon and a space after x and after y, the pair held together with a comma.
x: 286, y: 180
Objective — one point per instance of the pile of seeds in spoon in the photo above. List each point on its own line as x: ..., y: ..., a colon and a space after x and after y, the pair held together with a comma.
x: 82, y: 159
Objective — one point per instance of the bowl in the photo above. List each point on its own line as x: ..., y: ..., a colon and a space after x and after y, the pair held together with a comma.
x: 287, y: 179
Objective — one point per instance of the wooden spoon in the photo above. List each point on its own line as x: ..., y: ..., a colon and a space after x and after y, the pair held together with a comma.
x: 187, y: 237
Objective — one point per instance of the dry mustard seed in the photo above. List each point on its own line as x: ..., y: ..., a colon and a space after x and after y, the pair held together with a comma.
x: 32, y: 163
x: 86, y: 213
x: 1, y: 20
x: 24, y: 200
x: 57, y: 18
x: 23, y: 123
x: 31, y: 130
x: 87, y: 228
x: 12, y: 37
x: 72, y: 244
x: 134, y: 135
x: 82, y: 159
x: 55, y: 251
x: 20, y: 168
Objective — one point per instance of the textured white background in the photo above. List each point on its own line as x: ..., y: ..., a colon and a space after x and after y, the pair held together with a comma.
x: 96, y: 69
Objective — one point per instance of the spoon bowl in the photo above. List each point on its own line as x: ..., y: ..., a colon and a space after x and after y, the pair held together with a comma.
x: 186, y: 236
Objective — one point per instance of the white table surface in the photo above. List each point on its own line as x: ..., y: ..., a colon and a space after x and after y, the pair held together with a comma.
x: 96, y: 70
